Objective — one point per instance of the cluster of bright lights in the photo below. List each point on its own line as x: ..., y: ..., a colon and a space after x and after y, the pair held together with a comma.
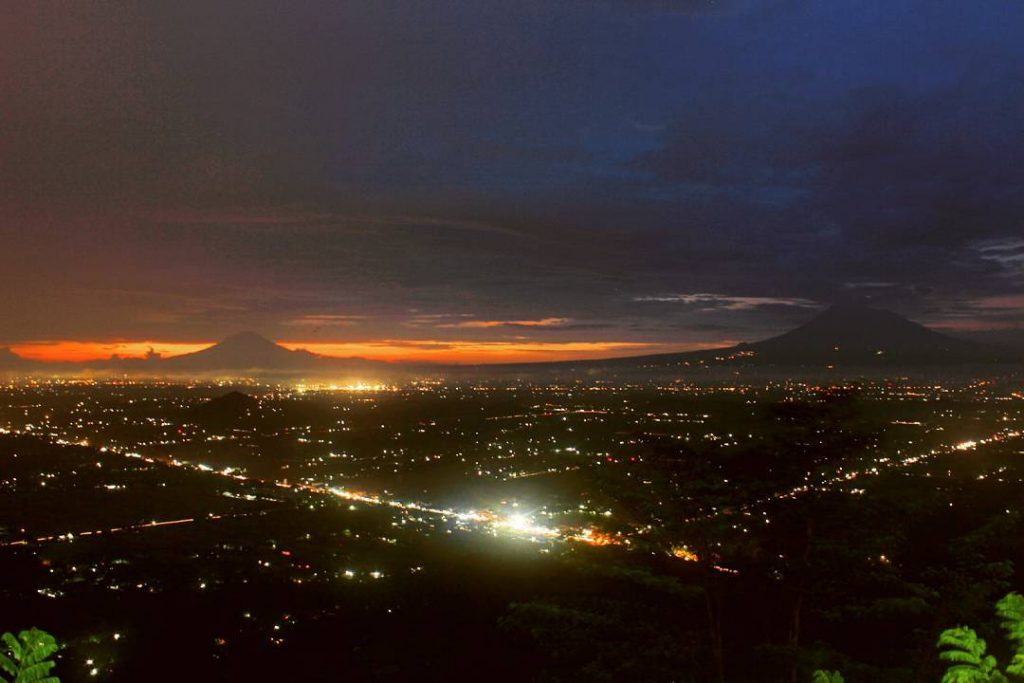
x: 592, y: 536
x: 685, y: 554
x: 522, y: 525
x: 357, y: 386
x: 517, y: 524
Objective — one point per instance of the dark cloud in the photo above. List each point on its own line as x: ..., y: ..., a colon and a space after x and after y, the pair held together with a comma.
x: 702, y: 8
x: 189, y: 169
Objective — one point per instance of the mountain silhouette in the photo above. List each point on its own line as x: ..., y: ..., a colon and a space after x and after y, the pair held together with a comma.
x: 846, y: 334
x: 226, y: 410
x: 243, y: 351
x: 11, y: 361
x: 852, y: 332
x: 849, y: 335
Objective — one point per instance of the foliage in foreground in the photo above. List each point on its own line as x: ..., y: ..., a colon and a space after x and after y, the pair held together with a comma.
x: 967, y: 653
x: 25, y: 658
x: 827, y: 677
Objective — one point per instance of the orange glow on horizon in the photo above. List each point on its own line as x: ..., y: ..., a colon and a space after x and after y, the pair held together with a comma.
x: 79, y: 351
x: 471, y: 352
x: 391, y: 350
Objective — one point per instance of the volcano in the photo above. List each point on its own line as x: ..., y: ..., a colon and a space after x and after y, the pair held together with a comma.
x: 856, y: 333
x: 10, y: 360
x: 243, y: 351
x: 845, y: 335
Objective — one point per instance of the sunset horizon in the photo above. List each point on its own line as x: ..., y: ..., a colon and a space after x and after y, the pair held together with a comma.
x: 454, y: 352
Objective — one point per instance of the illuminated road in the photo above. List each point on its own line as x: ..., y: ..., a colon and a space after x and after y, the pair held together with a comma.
x: 155, y: 524
x: 488, y: 521
x: 518, y: 525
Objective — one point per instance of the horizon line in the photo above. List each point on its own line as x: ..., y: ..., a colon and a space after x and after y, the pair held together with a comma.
x: 435, y: 351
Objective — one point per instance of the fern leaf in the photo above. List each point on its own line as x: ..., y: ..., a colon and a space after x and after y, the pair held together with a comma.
x: 7, y: 665
x: 39, y: 645
x: 821, y: 676
x: 35, y: 673
x: 1011, y: 610
x: 967, y: 654
x: 963, y: 675
x: 12, y: 645
x: 28, y: 657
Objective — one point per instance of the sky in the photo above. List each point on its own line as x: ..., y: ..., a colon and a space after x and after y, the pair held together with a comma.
x: 494, y: 180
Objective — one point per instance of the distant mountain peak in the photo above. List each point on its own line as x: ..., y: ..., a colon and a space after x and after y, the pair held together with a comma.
x: 235, y: 396
x: 244, y: 350
x: 9, y: 359
x: 852, y: 330
x: 248, y: 340
x: 858, y: 322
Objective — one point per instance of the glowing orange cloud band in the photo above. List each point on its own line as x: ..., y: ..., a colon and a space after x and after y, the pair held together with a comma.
x: 77, y: 351
x: 412, y: 350
x: 475, y: 351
